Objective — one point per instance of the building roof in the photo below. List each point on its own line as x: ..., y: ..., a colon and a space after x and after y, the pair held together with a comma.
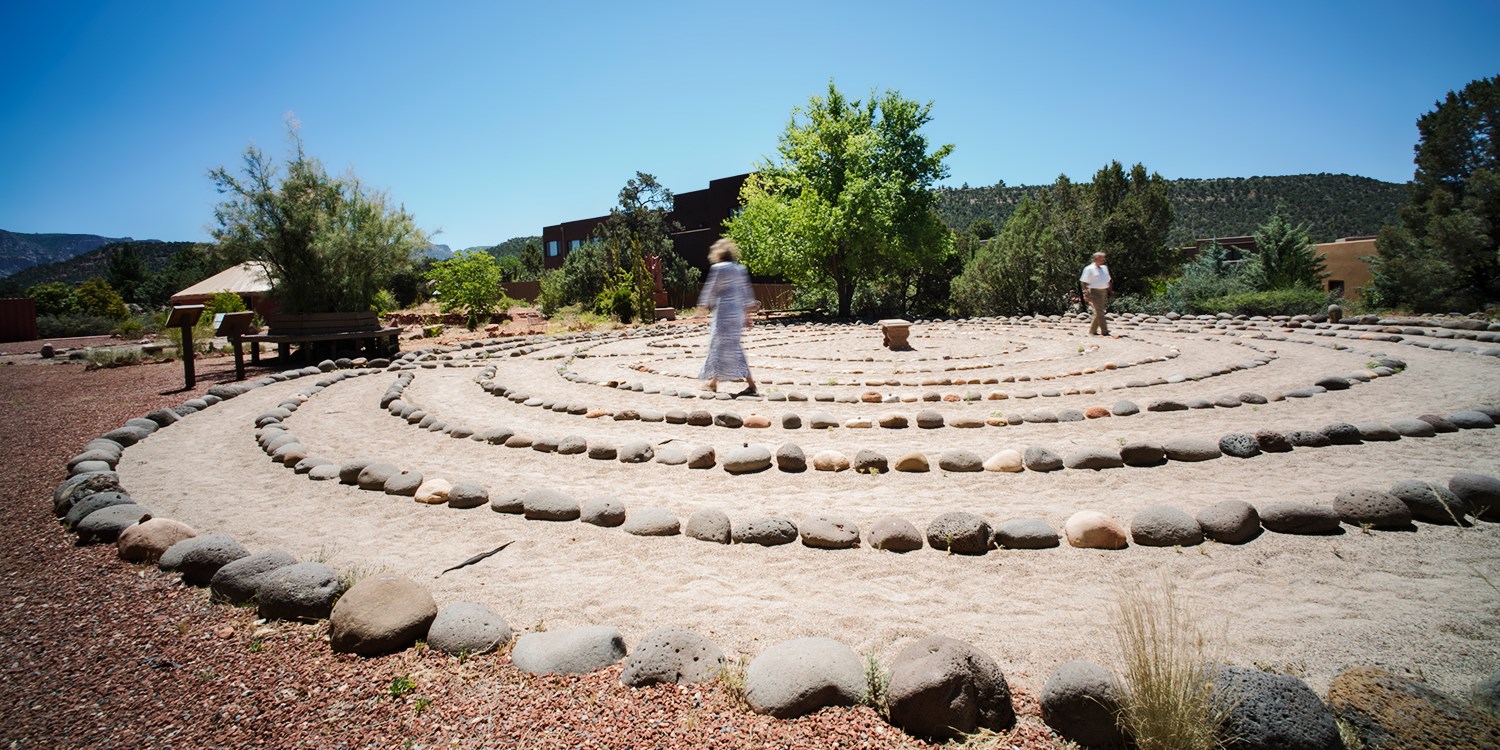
x: 245, y: 278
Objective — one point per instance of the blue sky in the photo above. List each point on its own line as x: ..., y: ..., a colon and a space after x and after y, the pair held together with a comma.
x: 489, y: 120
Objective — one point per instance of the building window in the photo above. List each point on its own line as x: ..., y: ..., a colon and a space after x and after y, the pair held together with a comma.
x: 574, y: 245
x: 551, y: 248
x: 1336, y: 287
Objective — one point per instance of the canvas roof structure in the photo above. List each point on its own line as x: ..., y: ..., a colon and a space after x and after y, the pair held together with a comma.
x: 246, y: 279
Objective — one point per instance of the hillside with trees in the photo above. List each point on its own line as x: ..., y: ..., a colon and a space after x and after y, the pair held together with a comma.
x: 154, y: 256
x: 1331, y: 205
x: 20, y: 251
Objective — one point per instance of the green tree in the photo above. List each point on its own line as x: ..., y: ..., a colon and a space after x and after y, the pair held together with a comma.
x: 1288, y: 259
x: 468, y: 282
x: 850, y: 198
x: 188, y: 266
x: 1025, y: 269
x: 329, y: 244
x: 53, y: 298
x: 638, y: 228
x: 97, y: 297
x: 1127, y: 217
x: 532, y: 261
x: 1446, y: 253
x: 126, y: 272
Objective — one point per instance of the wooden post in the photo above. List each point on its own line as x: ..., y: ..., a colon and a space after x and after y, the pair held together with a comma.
x: 233, y: 326
x: 184, y: 317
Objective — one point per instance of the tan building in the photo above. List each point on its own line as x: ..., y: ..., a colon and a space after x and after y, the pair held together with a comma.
x: 1346, y: 262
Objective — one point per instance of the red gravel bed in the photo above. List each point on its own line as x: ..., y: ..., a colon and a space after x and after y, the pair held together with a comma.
x: 95, y: 652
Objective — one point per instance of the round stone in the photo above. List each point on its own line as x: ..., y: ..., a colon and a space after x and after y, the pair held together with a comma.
x: 892, y: 534
x: 1229, y: 521
x: 960, y: 532
x: 1091, y: 529
x: 1165, y: 526
x: 747, y: 459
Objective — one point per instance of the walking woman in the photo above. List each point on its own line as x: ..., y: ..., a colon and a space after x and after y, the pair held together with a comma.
x: 728, y: 295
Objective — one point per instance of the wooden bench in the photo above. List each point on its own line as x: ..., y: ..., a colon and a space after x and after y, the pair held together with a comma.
x: 313, y: 330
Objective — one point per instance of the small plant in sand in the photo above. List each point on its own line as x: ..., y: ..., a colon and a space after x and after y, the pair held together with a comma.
x: 1166, y: 688
x: 732, y: 677
x: 877, y: 683
x: 400, y: 686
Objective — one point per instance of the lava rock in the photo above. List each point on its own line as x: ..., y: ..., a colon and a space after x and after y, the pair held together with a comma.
x: 468, y: 628
x: 1265, y: 711
x: 1480, y: 491
x: 1239, y: 445
x: 569, y: 650
x: 1165, y: 526
x: 765, y: 531
x: 892, y: 534
x: 709, y: 525
x: 828, y: 532
x: 1026, y: 533
x: 1079, y: 702
x: 303, y: 591
x: 238, y: 582
x: 1093, y: 458
x: 1370, y: 507
x: 1143, y: 453
x: 1299, y: 518
x: 941, y: 688
x: 960, y: 532
x: 800, y: 676
x: 1387, y: 711
x: 672, y: 656
x: 1039, y: 458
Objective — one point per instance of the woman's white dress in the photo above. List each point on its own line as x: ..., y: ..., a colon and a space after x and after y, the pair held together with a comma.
x: 728, y: 294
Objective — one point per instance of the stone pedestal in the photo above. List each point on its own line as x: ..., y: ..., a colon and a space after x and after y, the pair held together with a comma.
x: 893, y: 333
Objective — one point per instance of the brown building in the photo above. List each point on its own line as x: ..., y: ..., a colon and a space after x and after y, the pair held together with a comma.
x: 1346, y: 262
x: 699, y: 214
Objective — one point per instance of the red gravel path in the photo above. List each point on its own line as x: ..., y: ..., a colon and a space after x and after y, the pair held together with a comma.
x: 99, y: 653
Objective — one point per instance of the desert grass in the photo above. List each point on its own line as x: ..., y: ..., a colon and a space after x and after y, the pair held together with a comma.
x: 1166, y: 687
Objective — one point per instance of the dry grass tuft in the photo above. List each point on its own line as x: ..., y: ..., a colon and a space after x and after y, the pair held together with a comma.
x: 1166, y: 691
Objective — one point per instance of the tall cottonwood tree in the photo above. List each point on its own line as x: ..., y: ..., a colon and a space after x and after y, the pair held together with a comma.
x: 850, y: 199
x: 1446, y: 252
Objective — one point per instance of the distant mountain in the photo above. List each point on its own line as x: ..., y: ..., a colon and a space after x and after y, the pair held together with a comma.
x: 155, y: 255
x: 437, y: 252
x: 21, y: 251
x: 1333, y: 205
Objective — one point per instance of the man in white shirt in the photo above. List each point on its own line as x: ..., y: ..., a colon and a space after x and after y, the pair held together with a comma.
x: 1096, y: 289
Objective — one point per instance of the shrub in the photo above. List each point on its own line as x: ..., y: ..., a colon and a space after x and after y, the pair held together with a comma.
x: 384, y: 302
x: 97, y: 297
x: 53, y: 298
x: 468, y: 282
x: 1277, y: 302
x: 1166, y: 696
x: 73, y: 324
x: 224, y: 302
x: 618, y: 299
x: 104, y: 358
x: 129, y: 328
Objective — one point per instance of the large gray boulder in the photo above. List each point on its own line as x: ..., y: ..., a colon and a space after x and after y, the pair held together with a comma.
x: 652, y: 522
x: 1265, y: 711
x: 602, y: 511
x: 81, y: 485
x: 1026, y: 533
x: 829, y: 532
x: 747, y: 459
x: 95, y: 502
x: 1190, y: 449
x: 1040, y: 458
x: 379, y: 614
x: 468, y: 628
x: 239, y: 581
x: 304, y: 591
x: 198, y: 558
x: 569, y: 650
x: 1079, y: 703
x: 672, y: 656
x: 709, y: 525
x: 549, y: 505
x: 797, y: 677
x: 106, y: 524
x: 942, y: 688
x: 1298, y: 517
x: 893, y: 534
x: 1165, y: 526
x: 765, y: 531
x: 1430, y: 502
x: 1480, y: 491
x: 1230, y: 521
x: 960, y: 532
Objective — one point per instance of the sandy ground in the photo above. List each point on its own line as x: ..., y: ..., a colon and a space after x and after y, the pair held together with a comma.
x: 1423, y: 602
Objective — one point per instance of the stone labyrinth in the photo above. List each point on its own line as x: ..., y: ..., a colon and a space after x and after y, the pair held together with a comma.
x: 996, y: 483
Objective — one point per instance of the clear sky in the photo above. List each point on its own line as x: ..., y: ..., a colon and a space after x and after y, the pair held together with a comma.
x: 489, y: 120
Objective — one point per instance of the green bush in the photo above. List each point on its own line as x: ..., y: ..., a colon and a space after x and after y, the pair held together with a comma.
x: 469, y: 282
x: 617, y: 300
x: 97, y: 297
x: 53, y: 298
x: 129, y: 328
x: 73, y: 324
x: 224, y: 302
x: 1277, y: 302
x: 384, y: 302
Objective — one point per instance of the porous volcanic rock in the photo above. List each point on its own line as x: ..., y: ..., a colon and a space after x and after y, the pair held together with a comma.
x: 1239, y: 445
x: 942, y: 688
x: 1387, y: 711
x: 672, y: 656
x: 468, y: 628
x: 1266, y: 711
x: 869, y: 462
x: 960, y: 532
x: 1371, y: 507
x: 1271, y: 441
x: 1480, y: 491
x: 765, y: 531
x: 382, y: 613
x: 709, y: 525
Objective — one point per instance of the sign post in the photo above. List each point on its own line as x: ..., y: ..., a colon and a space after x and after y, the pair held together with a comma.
x: 184, y: 317
x: 232, y: 326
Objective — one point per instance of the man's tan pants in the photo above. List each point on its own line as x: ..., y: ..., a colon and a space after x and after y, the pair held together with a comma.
x: 1098, y: 299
